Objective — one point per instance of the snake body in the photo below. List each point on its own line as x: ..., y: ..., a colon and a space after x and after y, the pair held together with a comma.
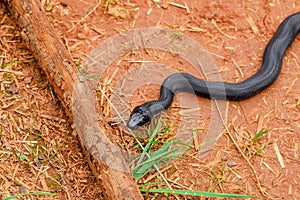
x: 184, y: 82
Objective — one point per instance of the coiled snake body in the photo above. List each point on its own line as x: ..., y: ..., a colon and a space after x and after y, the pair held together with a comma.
x: 183, y: 82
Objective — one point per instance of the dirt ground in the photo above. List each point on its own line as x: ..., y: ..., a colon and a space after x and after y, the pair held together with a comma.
x: 39, y: 152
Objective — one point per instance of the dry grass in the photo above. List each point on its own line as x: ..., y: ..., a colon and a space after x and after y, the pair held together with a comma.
x: 38, y: 152
x: 35, y: 132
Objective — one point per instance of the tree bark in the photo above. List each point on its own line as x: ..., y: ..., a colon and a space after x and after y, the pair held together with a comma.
x: 105, y: 159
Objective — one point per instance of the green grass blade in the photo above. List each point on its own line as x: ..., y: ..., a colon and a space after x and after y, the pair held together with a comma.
x: 154, y: 157
x: 258, y: 135
x: 196, y: 193
x: 31, y: 194
x: 148, y: 145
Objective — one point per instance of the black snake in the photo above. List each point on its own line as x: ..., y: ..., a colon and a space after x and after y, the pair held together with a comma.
x: 183, y: 82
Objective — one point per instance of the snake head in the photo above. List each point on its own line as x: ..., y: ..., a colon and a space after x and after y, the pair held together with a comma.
x: 139, y: 116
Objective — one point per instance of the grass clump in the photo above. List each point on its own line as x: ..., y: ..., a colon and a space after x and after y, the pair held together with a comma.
x: 155, y: 152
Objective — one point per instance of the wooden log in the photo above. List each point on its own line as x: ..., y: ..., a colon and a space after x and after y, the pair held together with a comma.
x: 105, y: 159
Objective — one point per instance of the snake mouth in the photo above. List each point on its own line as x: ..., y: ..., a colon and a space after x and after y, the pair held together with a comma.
x: 132, y: 124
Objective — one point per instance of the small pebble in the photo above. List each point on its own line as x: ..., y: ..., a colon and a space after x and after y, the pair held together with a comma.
x: 63, y: 4
x: 231, y: 163
x: 65, y: 12
x: 27, y: 80
x: 22, y: 190
x: 81, y: 36
x: 38, y: 164
x: 11, y: 88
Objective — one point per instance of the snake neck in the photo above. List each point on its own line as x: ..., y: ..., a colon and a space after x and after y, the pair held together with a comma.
x: 143, y: 114
x: 165, y: 100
